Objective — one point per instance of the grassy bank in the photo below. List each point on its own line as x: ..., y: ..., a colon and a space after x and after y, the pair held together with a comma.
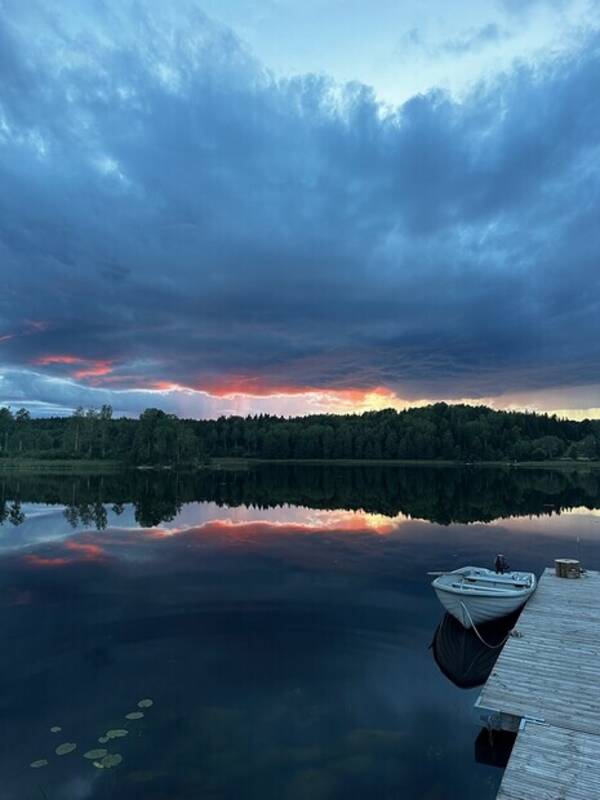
x: 59, y: 465
x: 354, y: 462
x: 233, y: 463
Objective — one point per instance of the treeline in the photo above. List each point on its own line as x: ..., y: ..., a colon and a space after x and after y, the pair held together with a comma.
x: 435, y: 432
x: 437, y: 493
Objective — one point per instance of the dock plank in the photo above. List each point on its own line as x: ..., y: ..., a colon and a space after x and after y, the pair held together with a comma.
x: 550, y: 672
x: 549, y: 763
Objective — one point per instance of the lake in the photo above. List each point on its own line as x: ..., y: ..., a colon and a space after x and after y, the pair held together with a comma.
x: 278, y: 618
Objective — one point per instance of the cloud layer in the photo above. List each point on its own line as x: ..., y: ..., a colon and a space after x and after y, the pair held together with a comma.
x: 173, y: 215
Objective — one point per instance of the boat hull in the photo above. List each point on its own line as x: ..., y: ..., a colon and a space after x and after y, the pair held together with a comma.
x: 469, y: 610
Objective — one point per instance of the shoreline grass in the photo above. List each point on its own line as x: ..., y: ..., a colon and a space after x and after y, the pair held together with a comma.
x: 60, y: 465
x: 237, y: 462
x: 354, y: 462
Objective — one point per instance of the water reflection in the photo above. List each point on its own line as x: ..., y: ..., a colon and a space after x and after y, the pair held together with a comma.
x: 462, y: 656
x: 285, y: 647
x: 466, y: 658
x: 438, y: 494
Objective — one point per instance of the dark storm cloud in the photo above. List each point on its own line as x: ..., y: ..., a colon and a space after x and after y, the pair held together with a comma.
x: 171, y: 212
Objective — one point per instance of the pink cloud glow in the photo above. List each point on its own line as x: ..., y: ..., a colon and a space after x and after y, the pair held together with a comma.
x: 95, y: 369
x: 43, y: 361
x: 86, y: 367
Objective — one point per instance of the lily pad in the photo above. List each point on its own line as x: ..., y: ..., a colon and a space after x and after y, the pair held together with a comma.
x: 66, y: 747
x: 116, y: 733
x: 103, y: 739
x: 55, y: 729
x: 41, y: 762
x: 146, y: 703
x: 99, y: 752
x: 134, y: 715
x: 111, y: 760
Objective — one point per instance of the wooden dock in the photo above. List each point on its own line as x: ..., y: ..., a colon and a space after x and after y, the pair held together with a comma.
x: 546, y: 685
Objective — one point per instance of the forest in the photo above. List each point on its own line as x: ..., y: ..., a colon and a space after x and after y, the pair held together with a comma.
x: 440, y: 431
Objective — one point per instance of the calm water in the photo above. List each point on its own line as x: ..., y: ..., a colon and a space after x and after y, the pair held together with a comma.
x: 280, y: 619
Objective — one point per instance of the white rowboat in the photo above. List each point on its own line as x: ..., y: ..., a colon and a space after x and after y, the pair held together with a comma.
x: 474, y: 595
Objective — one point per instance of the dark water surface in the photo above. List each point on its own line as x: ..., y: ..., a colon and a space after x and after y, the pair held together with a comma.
x: 279, y: 618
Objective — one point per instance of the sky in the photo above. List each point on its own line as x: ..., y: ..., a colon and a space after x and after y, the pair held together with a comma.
x: 233, y: 206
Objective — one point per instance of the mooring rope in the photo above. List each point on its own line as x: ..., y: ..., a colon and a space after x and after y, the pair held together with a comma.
x: 479, y: 636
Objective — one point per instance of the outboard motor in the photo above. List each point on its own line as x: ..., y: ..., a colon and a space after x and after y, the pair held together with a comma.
x: 501, y: 564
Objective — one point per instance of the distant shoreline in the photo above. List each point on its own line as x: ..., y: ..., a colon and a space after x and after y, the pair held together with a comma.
x: 60, y: 465
x: 354, y: 462
x: 99, y: 465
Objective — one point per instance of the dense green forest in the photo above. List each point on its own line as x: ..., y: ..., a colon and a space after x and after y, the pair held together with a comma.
x: 439, y: 432
x: 438, y: 493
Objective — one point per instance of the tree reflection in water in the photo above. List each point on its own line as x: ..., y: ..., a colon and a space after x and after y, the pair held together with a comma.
x: 439, y: 494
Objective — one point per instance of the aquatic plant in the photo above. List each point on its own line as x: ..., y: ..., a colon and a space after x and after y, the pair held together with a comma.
x: 66, y: 747
x: 110, y: 760
x: 115, y: 733
x: 98, y: 752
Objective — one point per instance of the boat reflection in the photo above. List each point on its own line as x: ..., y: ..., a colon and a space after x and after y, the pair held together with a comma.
x: 467, y: 659
x: 461, y: 655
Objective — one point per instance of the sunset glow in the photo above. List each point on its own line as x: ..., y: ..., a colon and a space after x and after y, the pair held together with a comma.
x: 95, y: 369
x: 371, y: 233
x: 299, y: 307
x: 44, y: 361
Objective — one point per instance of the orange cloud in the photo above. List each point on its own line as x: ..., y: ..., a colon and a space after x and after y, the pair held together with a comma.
x: 88, y: 367
x: 162, y: 386
x: 256, y: 387
x: 319, y: 399
x: 43, y: 361
x: 248, y: 386
x: 230, y: 385
x: 95, y: 369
